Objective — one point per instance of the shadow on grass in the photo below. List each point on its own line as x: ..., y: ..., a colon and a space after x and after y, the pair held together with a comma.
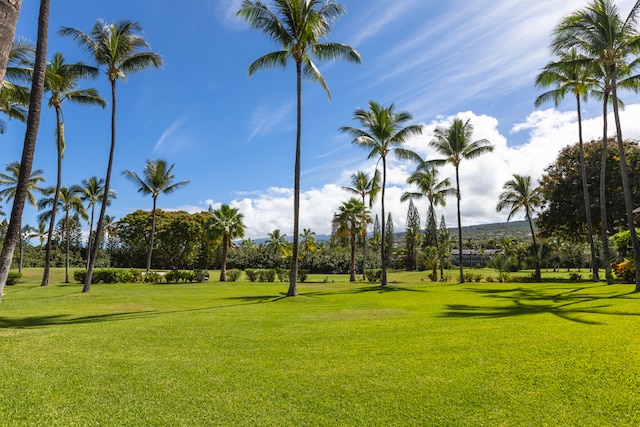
x: 65, y: 319
x: 532, y: 301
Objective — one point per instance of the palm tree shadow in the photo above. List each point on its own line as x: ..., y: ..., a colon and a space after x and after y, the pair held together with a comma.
x: 65, y: 319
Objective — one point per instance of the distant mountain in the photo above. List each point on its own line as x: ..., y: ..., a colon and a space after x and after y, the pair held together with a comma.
x: 513, y: 229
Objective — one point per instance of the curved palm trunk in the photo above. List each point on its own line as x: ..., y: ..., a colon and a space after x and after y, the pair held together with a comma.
x: 29, y: 147
x: 153, y: 234
x: 587, y: 202
x: 66, y: 258
x: 223, y: 269
x: 9, y: 11
x: 364, y: 246
x: 459, y: 227
x: 536, y: 258
x: 105, y: 197
x: 603, y: 195
x: 626, y: 185
x: 56, y: 196
x: 383, y: 249
x: 352, y: 264
x: 90, y: 234
x: 293, y: 274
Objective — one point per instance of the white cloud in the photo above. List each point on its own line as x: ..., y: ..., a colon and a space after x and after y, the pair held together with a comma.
x: 172, y: 140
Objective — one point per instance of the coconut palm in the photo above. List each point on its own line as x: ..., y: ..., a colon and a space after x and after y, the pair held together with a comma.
x: 519, y: 195
x: 120, y: 50
x: 9, y: 188
x: 455, y: 143
x: 383, y: 131
x: 92, y: 189
x: 351, y: 218
x: 277, y: 243
x: 61, y: 81
x: 70, y: 201
x: 157, y: 179
x: 599, y: 33
x: 31, y: 136
x: 226, y: 224
x: 364, y: 186
x: 425, y: 177
x: 14, y: 98
x: 298, y: 26
x: 308, y: 243
x: 39, y: 233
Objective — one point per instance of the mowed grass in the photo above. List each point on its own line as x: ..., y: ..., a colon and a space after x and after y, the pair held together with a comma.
x: 414, y: 353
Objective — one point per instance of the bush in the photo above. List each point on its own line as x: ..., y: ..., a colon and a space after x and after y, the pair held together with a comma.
x: 80, y: 275
x: 433, y: 276
x: 202, y: 275
x: 13, y: 278
x: 302, y: 275
x: 283, y: 274
x: 575, y: 277
x: 252, y: 274
x: 489, y: 279
x: 624, y: 271
x: 373, y: 275
x: 152, y: 277
x: 172, y: 276
x: 267, y: 275
x: 233, y: 275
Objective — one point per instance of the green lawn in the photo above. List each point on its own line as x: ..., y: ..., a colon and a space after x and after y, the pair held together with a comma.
x: 414, y: 353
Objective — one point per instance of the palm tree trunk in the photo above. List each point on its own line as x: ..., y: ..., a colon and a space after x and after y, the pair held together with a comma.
x: 20, y: 257
x: 435, y: 237
x: 587, y: 202
x: 90, y: 234
x: 293, y: 274
x: 536, y: 258
x: 223, y: 269
x: 9, y: 12
x: 153, y: 233
x: 105, y: 197
x: 56, y: 196
x: 603, y: 194
x: 383, y: 249
x: 459, y: 227
x: 67, y: 238
x: 626, y: 185
x: 364, y: 245
x: 29, y: 147
x: 352, y: 264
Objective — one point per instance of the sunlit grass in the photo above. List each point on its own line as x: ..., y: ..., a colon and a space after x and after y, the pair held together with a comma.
x: 415, y: 353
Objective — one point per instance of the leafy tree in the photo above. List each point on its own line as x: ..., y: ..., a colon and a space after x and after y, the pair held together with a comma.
x: 226, y: 224
x: 298, y: 26
x: 121, y: 50
x: 519, y: 195
x: 29, y: 146
x: 412, y: 237
x: 383, y: 131
x: 352, y: 217
x: 156, y: 179
x: 455, y: 143
x: 389, y: 240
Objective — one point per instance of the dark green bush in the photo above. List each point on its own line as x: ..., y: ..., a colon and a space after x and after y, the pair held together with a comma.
x: 373, y: 275
x: 80, y: 275
x: 252, y: 274
x: 233, y: 275
x: 302, y: 275
x: 13, y: 278
x: 152, y: 277
x: 267, y: 275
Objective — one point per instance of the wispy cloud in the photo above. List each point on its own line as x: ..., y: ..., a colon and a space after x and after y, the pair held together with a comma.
x: 172, y: 139
x: 267, y: 119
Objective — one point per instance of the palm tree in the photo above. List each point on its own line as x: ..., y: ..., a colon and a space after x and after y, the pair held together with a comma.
x: 157, y: 179
x: 121, y: 50
x: 364, y: 186
x: 9, y: 181
x: 599, y: 33
x: 39, y: 233
x: 226, y: 225
x: 519, y: 195
x: 14, y: 98
x: 425, y: 177
x: 109, y: 231
x: 278, y: 243
x: 10, y: 11
x: 308, y: 243
x: 61, y: 81
x: 70, y: 201
x: 92, y: 189
x: 351, y: 218
x: 382, y: 133
x: 30, y: 139
x: 455, y: 143
x: 298, y: 26
x: 571, y: 75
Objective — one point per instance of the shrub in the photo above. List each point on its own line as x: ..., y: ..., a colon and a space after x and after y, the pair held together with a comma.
x: 433, y: 276
x: 172, y: 276
x: 478, y: 277
x: 13, y: 278
x: 624, y: 271
x: 152, y: 277
x: 202, y: 275
x: 489, y: 279
x: 283, y: 274
x: 187, y: 276
x: 267, y: 275
x: 302, y: 275
x: 373, y: 275
x: 252, y: 274
x: 80, y: 275
x: 575, y: 277
x: 135, y: 276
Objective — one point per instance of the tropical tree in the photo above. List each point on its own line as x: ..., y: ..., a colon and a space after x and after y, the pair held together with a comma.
x: 31, y: 136
x: 61, y: 81
x: 351, y: 218
x: 298, y: 26
x: 277, y: 243
x: 10, y: 11
x: 14, y: 97
x: 157, y: 179
x: 365, y: 187
x: 39, y: 233
x: 120, y: 49
x: 92, y: 189
x: 70, y: 201
x: 455, y: 143
x: 519, y: 195
x: 308, y: 243
x: 226, y: 225
x: 383, y: 131
x: 9, y: 189
x: 599, y: 33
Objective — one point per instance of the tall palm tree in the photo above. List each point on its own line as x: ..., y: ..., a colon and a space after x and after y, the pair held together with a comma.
x: 92, y: 190
x: 9, y: 182
x: 455, y: 143
x: 61, y: 81
x: 30, y: 139
x: 14, y: 97
x: 383, y: 131
x: 120, y: 49
x: 364, y: 186
x: 226, y: 224
x: 157, y: 179
x: 10, y: 11
x: 70, y: 201
x: 599, y: 33
x: 571, y: 75
x: 351, y: 218
x: 519, y: 195
x: 298, y: 26
x: 425, y: 177
x: 39, y: 233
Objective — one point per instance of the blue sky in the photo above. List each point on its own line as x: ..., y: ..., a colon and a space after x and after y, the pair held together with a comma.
x: 233, y: 137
